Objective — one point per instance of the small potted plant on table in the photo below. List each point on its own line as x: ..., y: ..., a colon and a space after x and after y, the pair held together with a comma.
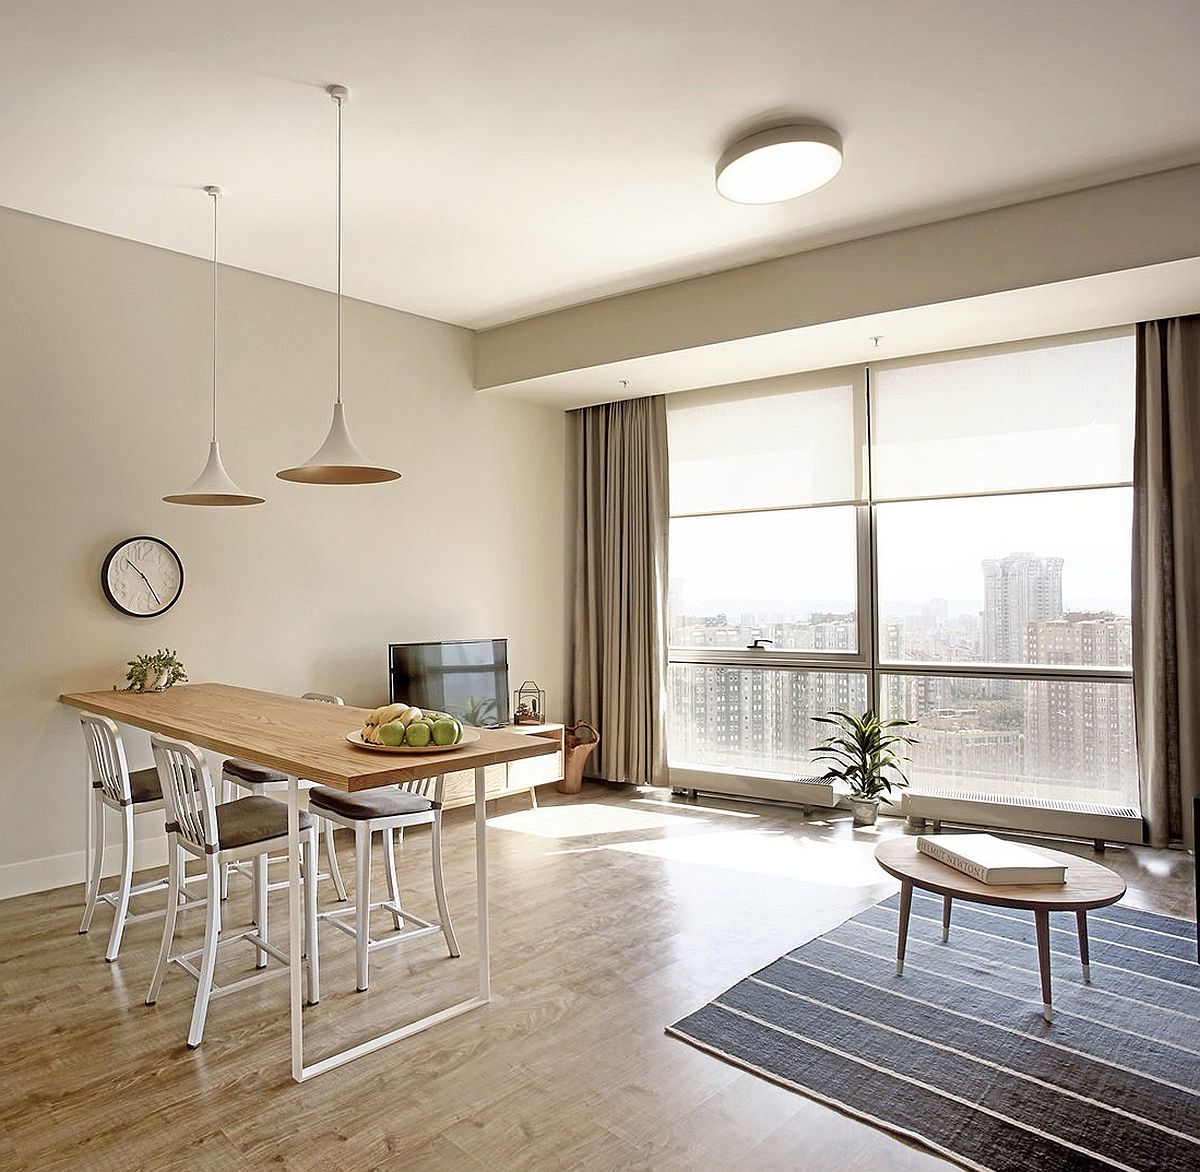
x: 154, y: 673
x: 862, y: 753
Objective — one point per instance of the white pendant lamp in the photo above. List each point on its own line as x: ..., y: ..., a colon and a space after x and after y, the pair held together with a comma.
x: 214, y: 486
x: 338, y: 460
x: 780, y: 163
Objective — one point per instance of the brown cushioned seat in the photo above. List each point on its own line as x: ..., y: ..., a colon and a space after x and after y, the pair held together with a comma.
x: 372, y: 803
x: 254, y: 819
x: 144, y: 785
x: 256, y: 774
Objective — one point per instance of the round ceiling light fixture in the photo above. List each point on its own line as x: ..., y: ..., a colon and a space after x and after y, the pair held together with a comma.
x: 780, y: 163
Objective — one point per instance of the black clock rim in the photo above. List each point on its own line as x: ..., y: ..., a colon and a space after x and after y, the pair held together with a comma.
x: 112, y: 553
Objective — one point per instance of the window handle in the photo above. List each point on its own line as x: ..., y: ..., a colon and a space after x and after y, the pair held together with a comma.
x: 758, y: 644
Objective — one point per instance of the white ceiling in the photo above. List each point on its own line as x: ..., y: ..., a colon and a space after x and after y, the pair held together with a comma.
x: 503, y: 159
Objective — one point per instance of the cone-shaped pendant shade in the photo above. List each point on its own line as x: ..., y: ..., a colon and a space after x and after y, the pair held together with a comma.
x: 213, y: 487
x: 338, y: 460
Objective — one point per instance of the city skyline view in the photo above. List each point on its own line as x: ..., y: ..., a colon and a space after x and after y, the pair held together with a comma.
x: 1049, y: 739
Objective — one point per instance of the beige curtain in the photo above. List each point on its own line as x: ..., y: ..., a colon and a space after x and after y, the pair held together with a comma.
x: 1166, y: 575
x: 620, y: 635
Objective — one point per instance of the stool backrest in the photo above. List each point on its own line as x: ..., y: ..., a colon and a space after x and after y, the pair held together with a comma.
x: 324, y: 698
x: 187, y: 791
x: 425, y: 787
x: 106, y: 756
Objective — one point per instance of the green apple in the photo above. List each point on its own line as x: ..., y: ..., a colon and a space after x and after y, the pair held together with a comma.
x: 391, y: 734
x: 445, y: 732
x: 418, y: 734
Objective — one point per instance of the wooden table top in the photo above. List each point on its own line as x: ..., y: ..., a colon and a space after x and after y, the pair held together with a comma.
x: 302, y: 738
x: 1088, y: 884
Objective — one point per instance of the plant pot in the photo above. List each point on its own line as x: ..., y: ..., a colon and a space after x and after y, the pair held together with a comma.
x: 866, y: 810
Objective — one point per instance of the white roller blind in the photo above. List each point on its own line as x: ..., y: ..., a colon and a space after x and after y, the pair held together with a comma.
x: 759, y: 451
x: 1049, y: 417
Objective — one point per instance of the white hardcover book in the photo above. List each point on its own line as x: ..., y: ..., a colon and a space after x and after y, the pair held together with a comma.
x: 990, y: 859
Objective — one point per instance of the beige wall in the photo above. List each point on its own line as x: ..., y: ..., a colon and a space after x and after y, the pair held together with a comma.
x: 104, y: 375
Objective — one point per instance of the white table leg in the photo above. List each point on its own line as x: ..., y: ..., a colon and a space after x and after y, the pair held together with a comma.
x: 302, y: 1073
x: 295, y: 960
x: 481, y: 889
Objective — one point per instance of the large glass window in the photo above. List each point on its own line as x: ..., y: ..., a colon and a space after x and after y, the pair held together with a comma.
x: 1057, y: 739
x: 969, y: 568
x: 786, y: 575
x: 756, y: 719
x: 1032, y: 578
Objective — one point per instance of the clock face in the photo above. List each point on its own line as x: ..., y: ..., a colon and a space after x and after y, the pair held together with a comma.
x: 142, y: 577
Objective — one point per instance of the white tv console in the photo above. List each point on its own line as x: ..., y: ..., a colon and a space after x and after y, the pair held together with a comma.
x: 516, y: 778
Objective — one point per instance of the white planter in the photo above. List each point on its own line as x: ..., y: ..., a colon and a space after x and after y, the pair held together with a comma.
x: 866, y: 810
x: 154, y: 683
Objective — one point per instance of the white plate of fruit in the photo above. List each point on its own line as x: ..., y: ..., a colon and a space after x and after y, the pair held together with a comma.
x: 403, y: 728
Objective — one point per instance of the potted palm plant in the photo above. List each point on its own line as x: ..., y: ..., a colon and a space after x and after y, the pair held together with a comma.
x: 862, y: 752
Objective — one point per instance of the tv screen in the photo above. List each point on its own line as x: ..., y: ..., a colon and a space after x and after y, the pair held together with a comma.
x: 467, y: 678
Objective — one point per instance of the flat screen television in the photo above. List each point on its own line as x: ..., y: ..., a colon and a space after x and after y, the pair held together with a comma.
x: 466, y: 677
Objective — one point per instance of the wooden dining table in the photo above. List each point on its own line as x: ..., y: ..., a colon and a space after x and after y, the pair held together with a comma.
x: 307, y: 740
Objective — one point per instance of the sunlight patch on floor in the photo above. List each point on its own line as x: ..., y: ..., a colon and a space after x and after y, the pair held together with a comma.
x: 774, y: 853
x: 588, y: 818
x: 681, y: 808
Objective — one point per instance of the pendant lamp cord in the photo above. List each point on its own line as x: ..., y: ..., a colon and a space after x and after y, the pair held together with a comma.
x: 215, y: 197
x: 338, y: 101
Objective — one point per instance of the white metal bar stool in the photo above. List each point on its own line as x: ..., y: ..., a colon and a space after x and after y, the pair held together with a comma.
x: 417, y: 803
x: 114, y: 787
x: 248, y: 828
x: 258, y: 779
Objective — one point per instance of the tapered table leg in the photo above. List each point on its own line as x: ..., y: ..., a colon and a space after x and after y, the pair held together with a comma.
x: 947, y: 902
x: 295, y: 947
x: 1041, y: 921
x: 906, y: 889
x: 1084, y: 959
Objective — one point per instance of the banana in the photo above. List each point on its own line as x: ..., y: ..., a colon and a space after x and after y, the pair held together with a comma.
x: 384, y: 714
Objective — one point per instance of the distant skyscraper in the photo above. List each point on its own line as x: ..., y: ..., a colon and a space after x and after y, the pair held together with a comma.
x: 1017, y: 590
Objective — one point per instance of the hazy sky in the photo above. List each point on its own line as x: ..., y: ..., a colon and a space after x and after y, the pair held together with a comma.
x: 801, y: 560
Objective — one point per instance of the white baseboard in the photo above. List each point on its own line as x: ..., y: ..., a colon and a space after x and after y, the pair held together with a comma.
x: 53, y: 871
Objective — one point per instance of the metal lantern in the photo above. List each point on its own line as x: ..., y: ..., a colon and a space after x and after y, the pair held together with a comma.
x: 529, y: 704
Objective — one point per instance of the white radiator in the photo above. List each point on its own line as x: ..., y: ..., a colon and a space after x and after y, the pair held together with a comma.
x: 738, y: 783
x: 1033, y: 815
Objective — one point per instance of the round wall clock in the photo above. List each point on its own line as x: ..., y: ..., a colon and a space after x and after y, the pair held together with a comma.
x: 142, y: 577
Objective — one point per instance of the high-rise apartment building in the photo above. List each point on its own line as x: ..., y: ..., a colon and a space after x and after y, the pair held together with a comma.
x: 1017, y: 590
x: 1088, y: 724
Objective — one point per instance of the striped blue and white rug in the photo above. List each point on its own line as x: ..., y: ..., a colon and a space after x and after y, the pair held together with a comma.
x: 955, y: 1055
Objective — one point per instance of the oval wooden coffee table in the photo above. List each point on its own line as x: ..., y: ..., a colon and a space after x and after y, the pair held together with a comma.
x: 1088, y: 885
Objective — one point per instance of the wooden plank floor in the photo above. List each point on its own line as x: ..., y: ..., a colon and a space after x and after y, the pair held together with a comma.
x: 613, y: 915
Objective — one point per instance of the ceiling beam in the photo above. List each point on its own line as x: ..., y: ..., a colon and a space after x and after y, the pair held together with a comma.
x: 1111, y: 228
